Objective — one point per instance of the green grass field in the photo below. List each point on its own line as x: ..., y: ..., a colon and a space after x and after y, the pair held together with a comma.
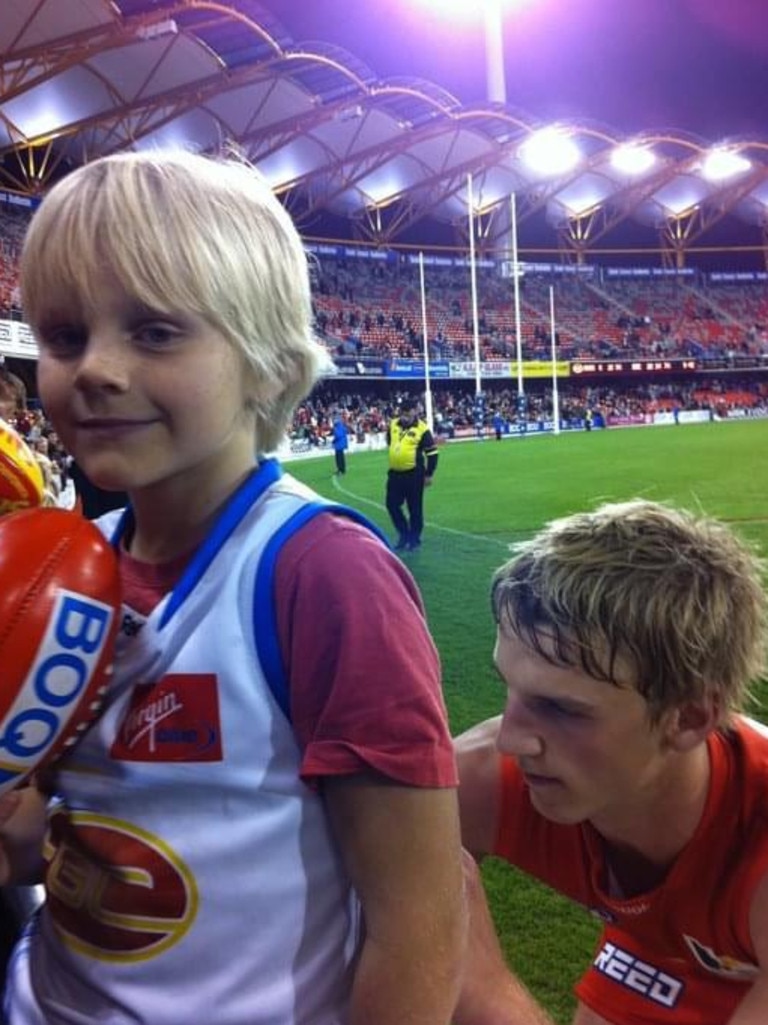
x: 485, y: 497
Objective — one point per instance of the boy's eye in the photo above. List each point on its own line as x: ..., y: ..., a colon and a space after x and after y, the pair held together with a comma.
x: 66, y: 338
x: 156, y: 334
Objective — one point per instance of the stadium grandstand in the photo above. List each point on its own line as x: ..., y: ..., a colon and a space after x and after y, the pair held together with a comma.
x: 652, y: 247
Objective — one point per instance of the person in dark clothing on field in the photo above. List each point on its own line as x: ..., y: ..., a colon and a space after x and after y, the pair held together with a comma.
x: 412, y: 464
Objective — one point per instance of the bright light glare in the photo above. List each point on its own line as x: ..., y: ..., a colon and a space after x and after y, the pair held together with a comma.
x: 550, y: 152
x: 460, y: 10
x: 721, y: 164
x: 40, y: 122
x: 631, y: 159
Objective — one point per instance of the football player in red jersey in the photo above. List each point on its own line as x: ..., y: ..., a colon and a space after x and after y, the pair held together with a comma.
x: 622, y: 772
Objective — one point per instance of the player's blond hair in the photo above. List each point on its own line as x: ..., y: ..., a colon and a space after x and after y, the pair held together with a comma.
x: 182, y: 232
x: 640, y: 594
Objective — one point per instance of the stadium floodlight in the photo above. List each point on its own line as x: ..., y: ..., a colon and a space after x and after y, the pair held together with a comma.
x: 631, y: 159
x: 721, y: 164
x: 492, y: 12
x: 550, y: 152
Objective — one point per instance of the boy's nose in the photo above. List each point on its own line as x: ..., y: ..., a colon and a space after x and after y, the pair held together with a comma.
x: 104, y: 363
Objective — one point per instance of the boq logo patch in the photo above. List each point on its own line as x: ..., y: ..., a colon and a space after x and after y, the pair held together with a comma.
x: 59, y: 613
x: 114, y: 891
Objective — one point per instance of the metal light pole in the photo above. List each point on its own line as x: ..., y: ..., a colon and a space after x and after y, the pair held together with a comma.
x: 473, y: 284
x: 496, y: 84
x: 497, y: 92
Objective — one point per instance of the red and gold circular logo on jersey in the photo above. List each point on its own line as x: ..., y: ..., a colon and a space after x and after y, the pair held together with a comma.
x: 114, y: 891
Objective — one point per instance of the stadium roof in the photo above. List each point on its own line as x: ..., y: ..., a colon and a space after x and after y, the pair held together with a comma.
x: 90, y: 77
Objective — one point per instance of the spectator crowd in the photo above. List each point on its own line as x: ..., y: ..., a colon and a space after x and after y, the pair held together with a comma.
x: 369, y: 309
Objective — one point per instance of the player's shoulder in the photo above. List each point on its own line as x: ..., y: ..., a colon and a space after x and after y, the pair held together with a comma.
x: 750, y: 737
x: 746, y: 743
x: 752, y: 728
x: 479, y: 736
x: 478, y: 761
x: 476, y: 753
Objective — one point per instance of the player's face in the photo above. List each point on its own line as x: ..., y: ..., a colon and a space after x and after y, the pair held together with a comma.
x: 586, y: 747
x: 145, y: 400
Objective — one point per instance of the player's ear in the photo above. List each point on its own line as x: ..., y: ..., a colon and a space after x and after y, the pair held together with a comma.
x: 690, y: 724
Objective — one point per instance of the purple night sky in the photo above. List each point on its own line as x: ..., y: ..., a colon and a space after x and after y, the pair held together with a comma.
x: 697, y: 66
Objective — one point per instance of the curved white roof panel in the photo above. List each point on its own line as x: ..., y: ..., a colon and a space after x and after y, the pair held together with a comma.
x: 87, y: 77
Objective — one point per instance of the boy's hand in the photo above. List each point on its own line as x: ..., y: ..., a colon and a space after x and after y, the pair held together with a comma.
x: 22, y: 830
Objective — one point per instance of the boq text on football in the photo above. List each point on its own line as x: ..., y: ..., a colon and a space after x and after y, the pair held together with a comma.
x: 59, y: 614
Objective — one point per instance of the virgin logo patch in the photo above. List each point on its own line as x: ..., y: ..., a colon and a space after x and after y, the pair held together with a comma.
x: 174, y: 720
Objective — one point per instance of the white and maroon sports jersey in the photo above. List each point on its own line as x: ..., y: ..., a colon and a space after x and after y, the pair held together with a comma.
x: 191, y: 873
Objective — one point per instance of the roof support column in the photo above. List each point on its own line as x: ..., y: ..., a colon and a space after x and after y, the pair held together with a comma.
x: 675, y: 235
x: 574, y: 237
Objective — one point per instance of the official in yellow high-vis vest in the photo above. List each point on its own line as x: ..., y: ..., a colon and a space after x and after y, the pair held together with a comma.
x: 412, y: 464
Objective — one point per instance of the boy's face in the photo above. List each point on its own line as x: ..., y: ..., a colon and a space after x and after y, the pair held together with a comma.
x: 143, y: 399
x: 586, y: 747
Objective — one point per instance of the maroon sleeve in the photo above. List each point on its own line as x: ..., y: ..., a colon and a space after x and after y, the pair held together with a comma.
x: 363, y: 672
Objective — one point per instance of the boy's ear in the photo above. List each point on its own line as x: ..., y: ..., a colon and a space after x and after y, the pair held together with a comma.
x: 691, y: 723
x: 257, y: 394
x: 259, y: 391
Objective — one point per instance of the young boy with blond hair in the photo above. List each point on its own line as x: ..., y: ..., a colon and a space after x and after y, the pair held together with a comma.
x: 261, y: 827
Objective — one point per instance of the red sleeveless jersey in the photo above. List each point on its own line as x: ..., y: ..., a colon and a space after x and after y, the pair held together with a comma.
x: 682, y: 952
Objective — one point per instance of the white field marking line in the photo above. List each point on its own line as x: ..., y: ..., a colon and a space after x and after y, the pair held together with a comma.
x: 506, y: 545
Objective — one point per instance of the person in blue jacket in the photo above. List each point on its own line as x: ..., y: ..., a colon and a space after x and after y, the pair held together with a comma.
x: 340, y: 443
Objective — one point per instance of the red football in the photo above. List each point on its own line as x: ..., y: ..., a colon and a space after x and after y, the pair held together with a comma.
x: 59, y: 613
